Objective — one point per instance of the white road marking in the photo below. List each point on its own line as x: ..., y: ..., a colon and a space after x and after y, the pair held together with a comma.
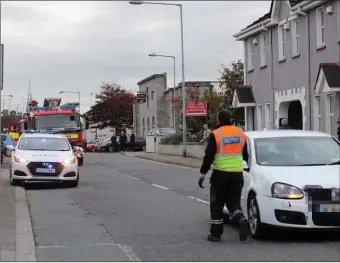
x: 199, y: 200
x: 91, y: 162
x: 129, y: 253
x: 159, y: 186
x: 86, y: 245
x: 135, y: 178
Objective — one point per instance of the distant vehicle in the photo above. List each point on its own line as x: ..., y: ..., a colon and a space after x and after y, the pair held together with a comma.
x: 41, y: 157
x: 162, y: 131
x: 140, y: 145
x: 286, y: 169
x: 7, y: 145
x: 102, y: 145
x: 91, y: 146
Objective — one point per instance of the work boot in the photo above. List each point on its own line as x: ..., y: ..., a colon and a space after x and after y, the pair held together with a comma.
x: 243, y: 229
x: 214, y: 239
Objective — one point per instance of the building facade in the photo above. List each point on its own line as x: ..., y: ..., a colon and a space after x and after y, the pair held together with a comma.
x: 291, y: 59
x: 158, y: 108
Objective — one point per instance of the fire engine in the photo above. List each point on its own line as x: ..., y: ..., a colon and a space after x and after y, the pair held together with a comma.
x: 53, y: 117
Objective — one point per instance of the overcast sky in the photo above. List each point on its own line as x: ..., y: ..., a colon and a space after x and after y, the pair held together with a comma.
x: 75, y: 46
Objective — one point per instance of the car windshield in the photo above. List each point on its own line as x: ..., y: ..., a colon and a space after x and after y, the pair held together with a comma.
x: 297, y: 151
x: 57, y: 121
x: 43, y: 144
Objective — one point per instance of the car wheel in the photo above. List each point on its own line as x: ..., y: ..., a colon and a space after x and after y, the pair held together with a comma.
x: 93, y: 150
x: 255, y: 225
x: 74, y: 184
x: 8, y: 152
x: 110, y: 149
x: 80, y: 161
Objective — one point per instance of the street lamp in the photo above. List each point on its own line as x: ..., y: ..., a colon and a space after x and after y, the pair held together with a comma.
x: 72, y: 92
x: 183, y: 78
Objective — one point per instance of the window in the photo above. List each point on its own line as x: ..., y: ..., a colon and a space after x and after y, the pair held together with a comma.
x: 143, y: 127
x: 44, y: 144
x: 296, y: 38
x: 317, y: 114
x: 330, y: 128
x: 153, y: 122
x: 152, y: 93
x: 147, y: 97
x: 263, y: 49
x: 259, y: 117
x: 320, y: 27
x: 267, y: 116
x: 250, y: 54
x: 281, y: 41
x: 148, y: 125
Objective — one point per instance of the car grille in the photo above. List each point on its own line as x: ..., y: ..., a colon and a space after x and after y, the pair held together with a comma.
x: 324, y: 197
x: 33, y: 165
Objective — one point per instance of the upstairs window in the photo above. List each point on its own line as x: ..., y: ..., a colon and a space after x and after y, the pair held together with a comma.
x: 147, y: 97
x: 296, y: 38
x: 320, y: 27
x: 250, y: 52
x: 263, y: 48
x: 152, y: 94
x: 281, y: 41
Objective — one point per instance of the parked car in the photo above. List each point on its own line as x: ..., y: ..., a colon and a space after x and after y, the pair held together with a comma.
x: 285, y: 171
x: 7, y: 145
x: 102, y: 145
x: 162, y: 131
x: 140, y: 145
x: 91, y: 146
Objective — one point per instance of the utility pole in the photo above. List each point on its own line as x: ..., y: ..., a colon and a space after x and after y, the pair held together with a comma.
x: 1, y: 80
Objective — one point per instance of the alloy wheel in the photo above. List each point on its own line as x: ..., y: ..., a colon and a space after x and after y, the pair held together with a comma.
x: 253, y: 216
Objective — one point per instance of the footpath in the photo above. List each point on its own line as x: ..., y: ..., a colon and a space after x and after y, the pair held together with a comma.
x: 16, y: 235
x: 170, y: 159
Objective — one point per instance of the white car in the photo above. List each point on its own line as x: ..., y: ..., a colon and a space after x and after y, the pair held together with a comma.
x: 292, y: 180
x: 41, y: 157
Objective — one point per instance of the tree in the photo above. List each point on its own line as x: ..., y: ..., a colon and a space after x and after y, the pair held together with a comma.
x: 232, y: 77
x: 113, y: 108
x: 214, y: 100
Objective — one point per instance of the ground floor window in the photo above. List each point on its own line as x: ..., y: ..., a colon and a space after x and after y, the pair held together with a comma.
x: 259, y: 117
x: 317, y: 113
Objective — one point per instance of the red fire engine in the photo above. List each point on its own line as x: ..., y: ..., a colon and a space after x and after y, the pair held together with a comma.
x: 53, y: 117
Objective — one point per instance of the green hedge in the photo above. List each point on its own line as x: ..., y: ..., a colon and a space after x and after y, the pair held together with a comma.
x: 177, y: 139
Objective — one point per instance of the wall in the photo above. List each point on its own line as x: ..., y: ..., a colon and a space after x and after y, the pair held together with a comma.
x: 193, y: 150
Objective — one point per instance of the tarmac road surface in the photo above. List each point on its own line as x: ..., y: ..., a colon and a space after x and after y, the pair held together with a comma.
x: 129, y: 209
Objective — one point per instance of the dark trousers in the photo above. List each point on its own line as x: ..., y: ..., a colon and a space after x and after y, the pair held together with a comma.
x: 225, y: 189
x: 123, y: 146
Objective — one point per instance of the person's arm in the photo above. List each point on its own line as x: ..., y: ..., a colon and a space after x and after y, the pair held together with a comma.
x: 209, y: 155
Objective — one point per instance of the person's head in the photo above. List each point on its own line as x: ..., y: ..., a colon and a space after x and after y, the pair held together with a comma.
x: 284, y: 122
x: 205, y: 126
x: 224, y: 117
x: 132, y: 132
x: 122, y: 133
x: 338, y: 122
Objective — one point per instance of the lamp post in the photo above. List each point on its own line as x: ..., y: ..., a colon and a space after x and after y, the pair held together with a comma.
x: 72, y: 92
x: 183, y: 78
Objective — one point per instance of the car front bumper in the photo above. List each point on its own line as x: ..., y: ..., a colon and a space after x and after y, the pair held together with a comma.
x: 23, y: 173
x: 293, y: 214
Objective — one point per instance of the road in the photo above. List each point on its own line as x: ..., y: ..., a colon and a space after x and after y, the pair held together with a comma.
x: 129, y: 209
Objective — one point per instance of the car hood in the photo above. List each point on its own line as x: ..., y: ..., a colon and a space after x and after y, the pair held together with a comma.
x: 325, y: 176
x: 43, y: 156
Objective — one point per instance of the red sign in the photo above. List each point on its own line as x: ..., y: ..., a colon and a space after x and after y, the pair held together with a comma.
x: 197, y: 109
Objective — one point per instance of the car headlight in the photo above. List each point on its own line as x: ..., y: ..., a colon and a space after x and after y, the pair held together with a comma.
x: 286, y: 191
x: 20, y: 160
x: 71, y: 160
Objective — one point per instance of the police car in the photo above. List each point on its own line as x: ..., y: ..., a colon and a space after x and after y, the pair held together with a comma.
x: 43, y: 157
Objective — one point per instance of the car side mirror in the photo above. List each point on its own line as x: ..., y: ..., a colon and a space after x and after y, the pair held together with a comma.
x: 246, y: 168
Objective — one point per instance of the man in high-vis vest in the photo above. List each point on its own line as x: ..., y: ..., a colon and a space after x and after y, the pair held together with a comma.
x: 226, y: 150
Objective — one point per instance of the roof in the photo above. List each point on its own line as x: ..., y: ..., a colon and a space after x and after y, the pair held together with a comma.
x: 154, y: 76
x: 245, y: 94
x: 55, y: 112
x: 332, y: 73
x: 285, y: 133
x: 47, y: 135
x: 268, y: 15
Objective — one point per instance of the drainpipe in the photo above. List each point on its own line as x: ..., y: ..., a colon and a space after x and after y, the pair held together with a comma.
x: 310, y: 92
x: 272, y: 93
